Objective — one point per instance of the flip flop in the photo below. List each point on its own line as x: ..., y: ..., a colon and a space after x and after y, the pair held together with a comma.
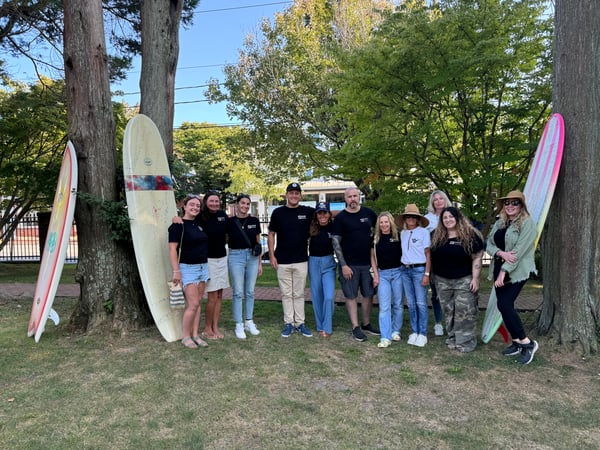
x: 188, y: 342
x: 198, y: 340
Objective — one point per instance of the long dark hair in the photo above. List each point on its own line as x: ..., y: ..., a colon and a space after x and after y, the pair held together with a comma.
x: 205, y: 213
x: 315, y: 228
x: 465, y: 231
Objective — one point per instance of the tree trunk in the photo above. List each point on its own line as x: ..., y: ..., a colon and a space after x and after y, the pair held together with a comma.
x: 160, y: 52
x: 111, y: 297
x: 571, y: 310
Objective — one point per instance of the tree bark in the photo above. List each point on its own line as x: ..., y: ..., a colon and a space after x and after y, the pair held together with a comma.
x: 111, y: 297
x: 571, y: 250
x: 160, y: 52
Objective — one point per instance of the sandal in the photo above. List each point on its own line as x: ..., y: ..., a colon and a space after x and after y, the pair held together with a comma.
x: 188, y: 342
x: 198, y: 340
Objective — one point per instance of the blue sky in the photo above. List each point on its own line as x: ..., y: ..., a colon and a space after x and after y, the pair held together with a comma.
x: 218, y: 32
x: 214, y: 39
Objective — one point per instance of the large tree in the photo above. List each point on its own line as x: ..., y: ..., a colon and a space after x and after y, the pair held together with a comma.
x: 279, y: 86
x: 454, y: 96
x: 110, y: 298
x: 571, y: 249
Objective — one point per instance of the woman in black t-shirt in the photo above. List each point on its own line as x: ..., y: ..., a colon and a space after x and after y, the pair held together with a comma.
x: 188, y: 250
x: 456, y: 252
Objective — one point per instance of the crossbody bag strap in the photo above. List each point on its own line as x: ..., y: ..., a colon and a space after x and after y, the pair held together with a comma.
x: 237, y: 222
x: 181, y: 242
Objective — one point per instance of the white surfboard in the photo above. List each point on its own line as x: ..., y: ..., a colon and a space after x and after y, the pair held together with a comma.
x: 55, y: 248
x: 151, y: 207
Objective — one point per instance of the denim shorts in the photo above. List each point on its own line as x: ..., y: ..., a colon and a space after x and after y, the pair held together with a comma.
x: 193, y: 273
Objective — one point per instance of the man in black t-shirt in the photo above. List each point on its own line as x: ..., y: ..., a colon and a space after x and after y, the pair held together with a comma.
x: 288, y: 252
x: 352, y: 242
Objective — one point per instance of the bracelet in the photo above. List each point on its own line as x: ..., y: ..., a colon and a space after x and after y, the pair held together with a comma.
x: 426, y: 274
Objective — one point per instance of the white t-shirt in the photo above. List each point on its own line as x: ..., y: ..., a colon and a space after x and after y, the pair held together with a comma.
x: 433, y: 221
x: 414, y: 243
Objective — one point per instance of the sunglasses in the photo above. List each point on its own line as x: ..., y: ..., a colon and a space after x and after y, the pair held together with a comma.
x: 512, y: 202
x: 194, y: 196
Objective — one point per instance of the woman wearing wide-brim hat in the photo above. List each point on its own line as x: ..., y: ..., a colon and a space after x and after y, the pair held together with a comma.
x: 511, y: 244
x: 415, y: 270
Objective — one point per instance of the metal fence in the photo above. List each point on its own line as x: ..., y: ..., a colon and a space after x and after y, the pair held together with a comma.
x: 27, y: 242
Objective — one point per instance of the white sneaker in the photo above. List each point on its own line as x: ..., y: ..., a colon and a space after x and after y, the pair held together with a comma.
x: 438, y: 329
x: 251, y: 328
x: 395, y: 336
x: 412, y: 339
x: 239, y: 331
x: 384, y: 343
x: 421, y: 340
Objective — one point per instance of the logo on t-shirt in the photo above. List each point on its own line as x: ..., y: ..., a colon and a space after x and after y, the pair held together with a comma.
x: 251, y: 227
x: 364, y: 219
x: 301, y: 216
x: 220, y: 219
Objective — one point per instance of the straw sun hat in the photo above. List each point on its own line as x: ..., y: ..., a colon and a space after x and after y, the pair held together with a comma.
x: 412, y: 210
x: 512, y: 195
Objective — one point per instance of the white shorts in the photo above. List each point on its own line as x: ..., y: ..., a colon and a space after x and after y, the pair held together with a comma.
x: 219, y: 277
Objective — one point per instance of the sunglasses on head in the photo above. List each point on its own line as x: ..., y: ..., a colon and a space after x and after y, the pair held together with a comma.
x: 512, y: 202
x: 194, y: 196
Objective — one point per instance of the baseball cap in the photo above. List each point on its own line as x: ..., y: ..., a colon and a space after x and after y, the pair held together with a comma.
x: 293, y: 187
x: 322, y: 206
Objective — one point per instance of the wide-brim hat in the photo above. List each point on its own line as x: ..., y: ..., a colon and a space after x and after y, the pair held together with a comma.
x: 411, y: 210
x: 516, y: 194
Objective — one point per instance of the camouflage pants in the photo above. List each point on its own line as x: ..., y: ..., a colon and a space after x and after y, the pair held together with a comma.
x: 460, y: 311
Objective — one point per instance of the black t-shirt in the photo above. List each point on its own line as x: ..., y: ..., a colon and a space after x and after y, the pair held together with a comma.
x: 388, y: 251
x: 215, y: 226
x: 321, y: 245
x: 355, y: 230
x: 292, y: 227
x: 250, y: 225
x: 452, y: 261
x: 194, y: 247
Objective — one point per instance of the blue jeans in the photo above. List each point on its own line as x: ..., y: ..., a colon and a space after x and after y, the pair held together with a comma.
x: 243, y: 269
x: 416, y: 297
x: 390, y: 293
x: 321, y: 273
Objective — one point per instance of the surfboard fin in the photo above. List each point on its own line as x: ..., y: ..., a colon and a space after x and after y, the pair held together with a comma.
x: 504, y: 332
x: 53, y: 316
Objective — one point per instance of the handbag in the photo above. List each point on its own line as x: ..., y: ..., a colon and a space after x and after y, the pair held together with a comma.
x: 256, y: 248
x: 176, y: 298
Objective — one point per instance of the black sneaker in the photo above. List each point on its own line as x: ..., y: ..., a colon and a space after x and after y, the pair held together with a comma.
x: 358, y: 335
x: 512, y: 349
x: 369, y: 329
x: 527, y: 352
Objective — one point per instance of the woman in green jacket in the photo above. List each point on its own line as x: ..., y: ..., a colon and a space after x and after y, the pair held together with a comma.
x: 512, y: 243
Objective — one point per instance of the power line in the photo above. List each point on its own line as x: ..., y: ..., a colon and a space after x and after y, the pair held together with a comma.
x: 242, y: 7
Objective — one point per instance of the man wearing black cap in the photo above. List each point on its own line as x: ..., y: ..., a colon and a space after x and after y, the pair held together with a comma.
x: 288, y: 251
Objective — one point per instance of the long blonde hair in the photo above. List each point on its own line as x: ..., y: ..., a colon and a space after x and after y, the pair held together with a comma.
x: 465, y: 232
x: 505, y: 221
x: 393, y: 227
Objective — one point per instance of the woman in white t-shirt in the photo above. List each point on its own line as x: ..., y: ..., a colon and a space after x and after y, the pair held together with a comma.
x: 415, y: 270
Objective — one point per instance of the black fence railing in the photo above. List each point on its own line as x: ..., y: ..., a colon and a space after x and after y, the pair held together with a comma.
x: 27, y: 242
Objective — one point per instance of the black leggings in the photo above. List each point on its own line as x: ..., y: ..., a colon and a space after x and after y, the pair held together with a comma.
x: 506, y: 297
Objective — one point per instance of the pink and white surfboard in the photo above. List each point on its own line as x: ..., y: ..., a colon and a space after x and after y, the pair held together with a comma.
x: 538, y: 191
x: 55, y: 248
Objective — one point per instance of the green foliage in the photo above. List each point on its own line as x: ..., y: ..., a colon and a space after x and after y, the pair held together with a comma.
x: 114, y: 213
x: 32, y: 138
x: 453, y: 96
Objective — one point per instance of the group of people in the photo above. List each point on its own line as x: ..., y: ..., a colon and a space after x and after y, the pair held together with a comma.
x: 201, y: 262
x: 397, y: 257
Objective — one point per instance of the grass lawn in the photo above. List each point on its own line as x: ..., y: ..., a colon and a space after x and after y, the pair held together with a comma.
x: 73, y: 391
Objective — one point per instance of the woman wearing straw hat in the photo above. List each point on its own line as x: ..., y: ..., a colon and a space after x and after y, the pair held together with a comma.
x: 415, y: 270
x: 511, y: 243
